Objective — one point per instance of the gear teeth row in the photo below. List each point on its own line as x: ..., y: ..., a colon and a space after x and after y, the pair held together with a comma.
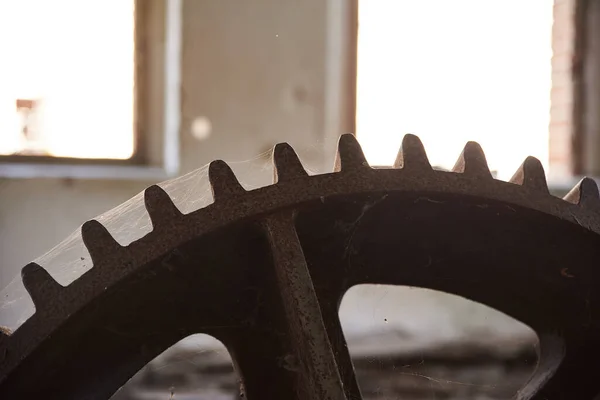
x: 531, y: 175
x: 350, y: 156
x: 412, y: 155
x: 584, y: 194
x: 287, y: 164
x: 99, y: 242
x: 160, y: 207
x: 223, y: 181
x: 40, y: 285
x: 472, y: 162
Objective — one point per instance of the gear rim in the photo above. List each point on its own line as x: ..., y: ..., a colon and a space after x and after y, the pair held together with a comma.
x: 294, y: 189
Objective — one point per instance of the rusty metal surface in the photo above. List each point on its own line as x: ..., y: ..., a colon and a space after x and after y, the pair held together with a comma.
x: 264, y: 271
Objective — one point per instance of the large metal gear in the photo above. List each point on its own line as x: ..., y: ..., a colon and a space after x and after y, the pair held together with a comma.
x: 264, y: 272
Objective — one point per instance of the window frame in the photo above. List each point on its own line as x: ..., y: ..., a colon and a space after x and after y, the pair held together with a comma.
x: 585, y: 77
x: 156, y: 149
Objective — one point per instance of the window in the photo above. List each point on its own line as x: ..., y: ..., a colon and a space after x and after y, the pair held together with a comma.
x: 67, y: 80
x: 577, y: 39
x: 456, y: 71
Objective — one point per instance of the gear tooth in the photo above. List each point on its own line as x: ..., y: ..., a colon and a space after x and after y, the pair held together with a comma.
x: 159, y: 205
x: 39, y: 284
x: 287, y: 164
x: 350, y: 155
x: 531, y: 175
x: 4, y: 337
x: 412, y: 154
x: 584, y: 193
x: 98, y: 241
x: 223, y: 181
x: 4, y: 334
x: 472, y: 161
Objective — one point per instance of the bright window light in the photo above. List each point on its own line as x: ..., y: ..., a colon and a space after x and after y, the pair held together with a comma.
x: 454, y: 71
x: 67, y: 78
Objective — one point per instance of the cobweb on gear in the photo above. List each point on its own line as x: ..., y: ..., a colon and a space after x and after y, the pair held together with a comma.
x: 127, y: 222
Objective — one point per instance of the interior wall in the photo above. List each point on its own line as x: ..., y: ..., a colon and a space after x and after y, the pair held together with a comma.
x: 257, y: 70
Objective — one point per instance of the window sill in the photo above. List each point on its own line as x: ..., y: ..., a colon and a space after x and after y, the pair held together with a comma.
x: 89, y: 171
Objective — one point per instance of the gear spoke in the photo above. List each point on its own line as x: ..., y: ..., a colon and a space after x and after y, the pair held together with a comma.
x: 317, y: 364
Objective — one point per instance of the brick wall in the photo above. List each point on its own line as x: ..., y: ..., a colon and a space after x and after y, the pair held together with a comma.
x: 561, y: 121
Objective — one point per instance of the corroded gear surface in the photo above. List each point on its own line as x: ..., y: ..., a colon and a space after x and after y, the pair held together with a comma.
x: 264, y: 272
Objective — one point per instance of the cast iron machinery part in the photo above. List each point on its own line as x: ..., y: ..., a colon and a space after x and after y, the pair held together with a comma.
x: 264, y: 272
